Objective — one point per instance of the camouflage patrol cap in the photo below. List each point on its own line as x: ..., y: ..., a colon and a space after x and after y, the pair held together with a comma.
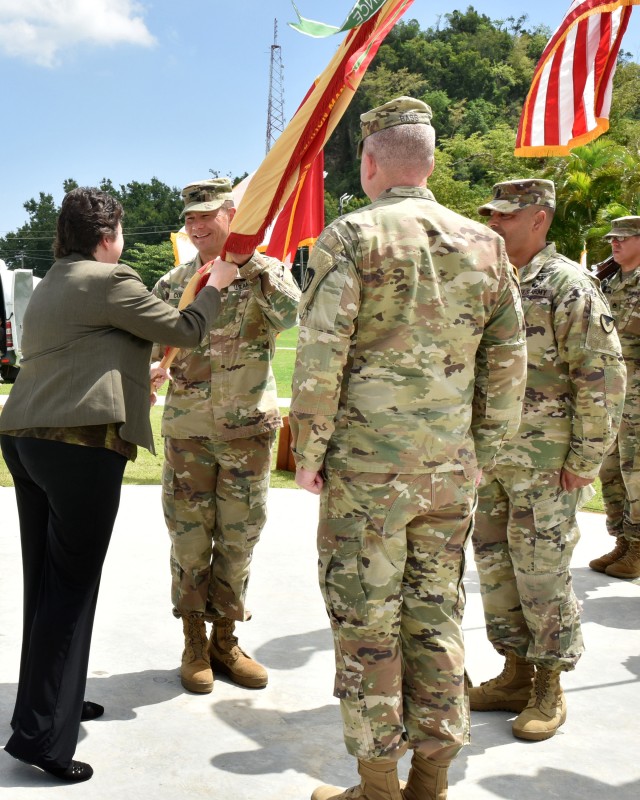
x: 510, y: 196
x: 401, y: 111
x: 206, y: 195
x: 625, y: 227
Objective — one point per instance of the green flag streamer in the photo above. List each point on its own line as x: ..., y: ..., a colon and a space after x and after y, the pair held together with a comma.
x: 361, y: 12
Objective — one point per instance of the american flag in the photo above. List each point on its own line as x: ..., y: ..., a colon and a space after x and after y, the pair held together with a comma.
x: 570, y: 96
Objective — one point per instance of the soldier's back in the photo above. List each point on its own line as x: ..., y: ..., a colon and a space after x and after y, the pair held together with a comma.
x: 430, y: 281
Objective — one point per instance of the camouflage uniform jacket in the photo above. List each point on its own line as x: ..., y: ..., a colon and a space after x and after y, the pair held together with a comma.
x: 411, y: 354
x: 576, y: 375
x: 225, y: 389
x: 622, y: 290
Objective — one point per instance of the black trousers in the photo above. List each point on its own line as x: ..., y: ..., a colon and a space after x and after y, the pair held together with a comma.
x: 68, y: 497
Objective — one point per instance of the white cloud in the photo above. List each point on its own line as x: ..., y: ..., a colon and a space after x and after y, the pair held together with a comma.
x: 40, y: 31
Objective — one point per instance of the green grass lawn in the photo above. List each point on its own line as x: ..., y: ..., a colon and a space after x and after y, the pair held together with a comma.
x: 596, y: 503
x: 285, y: 360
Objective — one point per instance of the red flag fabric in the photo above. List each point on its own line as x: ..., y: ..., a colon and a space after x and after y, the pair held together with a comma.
x: 570, y: 97
x: 301, y: 220
x: 286, y: 164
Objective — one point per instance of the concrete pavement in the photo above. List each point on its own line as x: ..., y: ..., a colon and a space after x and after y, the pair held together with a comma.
x: 158, y: 741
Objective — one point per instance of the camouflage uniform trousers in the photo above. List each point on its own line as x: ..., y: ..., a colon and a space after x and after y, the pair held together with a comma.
x: 214, y: 496
x: 620, y: 478
x: 391, y: 562
x: 524, y: 534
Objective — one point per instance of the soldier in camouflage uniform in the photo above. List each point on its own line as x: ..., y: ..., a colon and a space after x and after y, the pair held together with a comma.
x: 409, y: 375
x: 525, y: 525
x: 219, y: 423
x: 620, y: 473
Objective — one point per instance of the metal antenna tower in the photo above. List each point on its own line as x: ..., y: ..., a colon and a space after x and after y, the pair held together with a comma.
x: 275, y: 110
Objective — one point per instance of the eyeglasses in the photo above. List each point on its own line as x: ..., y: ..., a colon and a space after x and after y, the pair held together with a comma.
x: 621, y: 239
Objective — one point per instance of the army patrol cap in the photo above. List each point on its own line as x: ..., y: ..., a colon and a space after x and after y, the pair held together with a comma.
x: 510, y: 196
x: 624, y: 227
x: 401, y: 111
x: 206, y: 195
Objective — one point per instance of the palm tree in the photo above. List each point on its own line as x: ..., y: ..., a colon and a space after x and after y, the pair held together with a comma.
x: 591, y: 178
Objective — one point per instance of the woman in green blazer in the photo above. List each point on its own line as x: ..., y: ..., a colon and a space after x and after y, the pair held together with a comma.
x: 78, y: 410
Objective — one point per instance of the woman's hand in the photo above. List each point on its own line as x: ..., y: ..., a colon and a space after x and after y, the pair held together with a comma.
x: 223, y: 274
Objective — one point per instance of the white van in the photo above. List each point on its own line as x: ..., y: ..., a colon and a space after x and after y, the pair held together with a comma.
x: 16, y: 288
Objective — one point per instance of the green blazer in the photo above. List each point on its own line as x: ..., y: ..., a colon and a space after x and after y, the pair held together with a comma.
x: 87, y: 339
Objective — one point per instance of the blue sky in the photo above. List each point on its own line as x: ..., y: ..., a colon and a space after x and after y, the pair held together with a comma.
x: 129, y: 90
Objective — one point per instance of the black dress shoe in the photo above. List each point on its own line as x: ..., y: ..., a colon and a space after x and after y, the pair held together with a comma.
x: 91, y: 711
x: 76, y: 771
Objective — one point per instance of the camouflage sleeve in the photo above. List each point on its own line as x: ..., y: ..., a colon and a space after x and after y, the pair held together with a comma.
x: 275, y: 290
x: 501, y: 370
x: 328, y: 310
x: 588, y: 343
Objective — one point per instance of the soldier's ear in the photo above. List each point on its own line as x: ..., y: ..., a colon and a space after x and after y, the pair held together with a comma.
x: 370, y: 166
x: 430, y: 167
x: 540, y: 218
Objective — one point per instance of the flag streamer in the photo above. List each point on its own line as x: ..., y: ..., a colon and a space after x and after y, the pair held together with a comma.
x: 569, y: 101
x: 361, y: 12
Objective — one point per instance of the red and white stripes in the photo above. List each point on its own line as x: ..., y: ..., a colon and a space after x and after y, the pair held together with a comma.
x: 570, y: 97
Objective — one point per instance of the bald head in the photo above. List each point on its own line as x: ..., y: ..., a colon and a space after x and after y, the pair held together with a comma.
x: 402, y: 155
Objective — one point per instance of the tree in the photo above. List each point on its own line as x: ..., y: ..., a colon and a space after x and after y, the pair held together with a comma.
x: 590, y: 179
x: 151, y: 212
x: 31, y: 246
x: 150, y: 261
x: 624, y: 119
x: 484, y: 159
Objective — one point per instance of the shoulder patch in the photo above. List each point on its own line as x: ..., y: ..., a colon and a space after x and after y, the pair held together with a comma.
x: 307, y: 278
x: 607, y: 323
x: 327, y: 255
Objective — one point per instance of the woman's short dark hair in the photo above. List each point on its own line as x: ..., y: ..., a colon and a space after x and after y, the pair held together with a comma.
x: 87, y: 216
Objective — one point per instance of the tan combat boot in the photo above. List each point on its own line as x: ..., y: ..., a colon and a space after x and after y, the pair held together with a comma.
x: 379, y: 781
x: 546, y: 710
x: 195, y: 671
x: 427, y: 779
x: 601, y: 564
x: 226, y: 656
x: 509, y: 691
x: 629, y: 565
